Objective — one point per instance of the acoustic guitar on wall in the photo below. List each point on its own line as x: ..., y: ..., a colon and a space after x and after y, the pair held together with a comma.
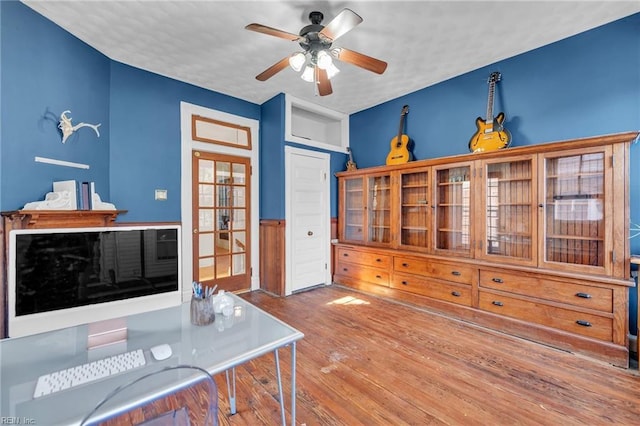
x: 491, y: 134
x: 399, y: 153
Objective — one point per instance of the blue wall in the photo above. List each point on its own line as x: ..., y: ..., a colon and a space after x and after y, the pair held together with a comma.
x: 46, y: 70
x: 585, y: 85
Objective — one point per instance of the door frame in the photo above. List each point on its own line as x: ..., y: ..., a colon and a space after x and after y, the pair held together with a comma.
x: 187, y: 145
x: 289, y: 154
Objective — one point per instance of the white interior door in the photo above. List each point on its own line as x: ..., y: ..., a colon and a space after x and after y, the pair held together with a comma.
x: 307, y: 219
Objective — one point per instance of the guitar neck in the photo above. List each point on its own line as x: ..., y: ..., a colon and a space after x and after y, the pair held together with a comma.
x: 489, y: 116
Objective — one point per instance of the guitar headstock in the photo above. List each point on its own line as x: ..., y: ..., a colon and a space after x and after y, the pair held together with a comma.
x: 494, y: 77
x: 405, y: 110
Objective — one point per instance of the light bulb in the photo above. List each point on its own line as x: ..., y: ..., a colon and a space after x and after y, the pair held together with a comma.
x: 332, y: 70
x: 297, y: 60
x: 307, y: 74
x: 324, y: 60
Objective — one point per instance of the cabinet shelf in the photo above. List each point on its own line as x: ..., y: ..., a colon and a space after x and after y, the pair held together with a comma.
x: 415, y: 205
x: 573, y: 237
x: 577, y: 176
x: 415, y: 228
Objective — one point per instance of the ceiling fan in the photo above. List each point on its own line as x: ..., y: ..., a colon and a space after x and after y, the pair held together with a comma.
x: 316, y: 57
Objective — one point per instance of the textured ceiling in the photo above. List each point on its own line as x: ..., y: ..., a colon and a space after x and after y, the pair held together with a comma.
x: 425, y: 42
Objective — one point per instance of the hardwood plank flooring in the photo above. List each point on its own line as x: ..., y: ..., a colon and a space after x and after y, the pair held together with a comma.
x: 368, y: 361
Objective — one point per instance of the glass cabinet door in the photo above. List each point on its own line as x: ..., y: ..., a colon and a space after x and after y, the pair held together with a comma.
x: 379, y: 208
x: 415, y: 209
x: 353, y: 214
x: 508, y: 219
x: 575, y: 198
x: 453, y: 209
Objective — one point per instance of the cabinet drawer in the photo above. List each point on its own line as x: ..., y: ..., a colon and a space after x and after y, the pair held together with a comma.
x: 363, y: 273
x: 595, y: 326
x: 456, y: 293
x: 364, y: 258
x: 585, y: 296
x: 462, y: 274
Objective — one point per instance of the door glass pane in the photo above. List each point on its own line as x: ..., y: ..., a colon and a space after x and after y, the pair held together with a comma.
x: 223, y: 219
x: 453, y: 209
x: 239, y: 242
x: 205, y: 197
x: 223, y: 172
x: 206, y: 244
x: 379, y: 209
x: 205, y: 222
x: 223, y: 196
x: 354, y: 210
x: 238, y: 264
x: 509, y: 215
x: 205, y: 171
x: 238, y: 197
x: 223, y: 267
x: 238, y: 174
x: 414, y: 194
x: 206, y: 268
x: 238, y: 219
x: 574, y: 217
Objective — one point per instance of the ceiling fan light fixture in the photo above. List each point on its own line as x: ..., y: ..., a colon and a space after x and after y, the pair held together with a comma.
x: 308, y: 74
x: 297, y: 60
x: 324, y: 60
x: 332, y: 70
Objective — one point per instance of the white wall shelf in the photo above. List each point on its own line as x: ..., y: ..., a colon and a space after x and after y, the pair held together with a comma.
x: 310, y: 124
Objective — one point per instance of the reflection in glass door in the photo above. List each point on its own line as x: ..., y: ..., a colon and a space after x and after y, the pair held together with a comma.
x: 221, y: 252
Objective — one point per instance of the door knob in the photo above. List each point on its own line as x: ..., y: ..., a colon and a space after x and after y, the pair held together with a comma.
x: 310, y: 233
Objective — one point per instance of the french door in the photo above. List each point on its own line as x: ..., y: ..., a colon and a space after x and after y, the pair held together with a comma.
x: 221, y: 220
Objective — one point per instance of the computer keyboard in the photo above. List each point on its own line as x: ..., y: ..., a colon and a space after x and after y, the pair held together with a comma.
x: 89, y: 372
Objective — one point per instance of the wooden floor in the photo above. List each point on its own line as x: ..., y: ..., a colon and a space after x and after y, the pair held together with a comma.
x: 367, y: 361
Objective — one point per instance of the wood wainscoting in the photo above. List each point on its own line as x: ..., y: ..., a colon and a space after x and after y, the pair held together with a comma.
x: 272, y: 256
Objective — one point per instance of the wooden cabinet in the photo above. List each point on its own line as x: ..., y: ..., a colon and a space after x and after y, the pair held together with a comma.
x: 366, y: 209
x: 530, y: 240
x: 507, y: 214
x: 415, y: 209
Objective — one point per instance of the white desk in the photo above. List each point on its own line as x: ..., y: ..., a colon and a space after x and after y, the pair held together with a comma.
x: 217, y: 347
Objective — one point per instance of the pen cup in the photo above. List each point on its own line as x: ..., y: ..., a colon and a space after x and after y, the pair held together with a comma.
x: 202, y: 311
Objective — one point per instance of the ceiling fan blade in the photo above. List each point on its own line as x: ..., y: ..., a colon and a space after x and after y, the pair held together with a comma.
x: 343, y: 22
x: 259, y: 28
x: 273, y: 69
x: 361, y: 60
x: 322, y: 80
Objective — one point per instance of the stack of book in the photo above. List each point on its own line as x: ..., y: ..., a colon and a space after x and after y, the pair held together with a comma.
x: 81, y: 192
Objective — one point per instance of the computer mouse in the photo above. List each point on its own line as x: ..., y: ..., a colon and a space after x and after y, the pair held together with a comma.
x: 161, y: 352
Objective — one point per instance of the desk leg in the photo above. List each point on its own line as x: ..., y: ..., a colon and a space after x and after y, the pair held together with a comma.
x: 232, y: 397
x: 277, y: 358
x: 293, y: 383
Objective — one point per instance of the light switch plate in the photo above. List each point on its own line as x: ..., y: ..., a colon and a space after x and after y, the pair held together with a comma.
x: 161, y: 194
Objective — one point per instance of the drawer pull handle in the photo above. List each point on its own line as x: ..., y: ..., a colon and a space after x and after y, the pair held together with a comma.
x: 345, y: 254
x: 406, y: 265
x: 405, y: 283
x: 497, y: 303
x: 455, y: 293
x: 378, y: 276
x: 345, y: 269
x: 456, y: 273
x: 497, y: 280
x: 378, y: 260
x: 583, y: 323
x: 584, y: 295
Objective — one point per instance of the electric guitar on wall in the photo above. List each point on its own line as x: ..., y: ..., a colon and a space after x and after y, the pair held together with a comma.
x: 491, y: 134
x: 351, y: 165
x: 399, y: 153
